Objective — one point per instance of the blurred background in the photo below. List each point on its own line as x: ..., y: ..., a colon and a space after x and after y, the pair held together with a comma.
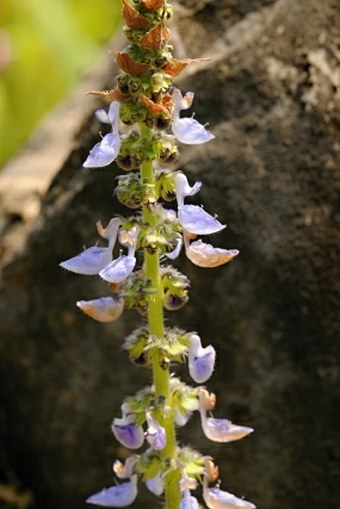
x: 44, y: 48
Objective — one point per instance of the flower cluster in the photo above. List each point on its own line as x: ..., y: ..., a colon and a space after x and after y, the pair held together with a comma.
x: 144, y: 116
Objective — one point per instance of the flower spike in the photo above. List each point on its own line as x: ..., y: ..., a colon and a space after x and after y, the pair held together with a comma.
x: 144, y: 125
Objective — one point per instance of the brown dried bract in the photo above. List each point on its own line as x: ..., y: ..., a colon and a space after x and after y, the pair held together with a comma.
x: 174, y: 66
x: 164, y: 108
x: 156, y: 38
x: 130, y: 66
x: 111, y: 95
x: 132, y: 17
x: 153, y: 5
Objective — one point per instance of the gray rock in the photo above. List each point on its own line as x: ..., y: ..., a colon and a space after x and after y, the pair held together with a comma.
x: 271, y: 97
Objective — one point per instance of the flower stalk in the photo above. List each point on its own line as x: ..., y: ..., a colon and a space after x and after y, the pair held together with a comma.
x: 146, y: 125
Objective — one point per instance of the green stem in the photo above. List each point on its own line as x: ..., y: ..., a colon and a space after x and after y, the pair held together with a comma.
x: 161, y: 373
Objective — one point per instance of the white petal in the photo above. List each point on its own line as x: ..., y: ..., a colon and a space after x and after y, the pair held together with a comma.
x: 222, y: 430
x: 105, y: 309
x: 183, y: 188
x: 218, y: 499
x: 90, y: 262
x: 190, y: 132
x: 155, y: 485
x: 104, y: 152
x: 207, y: 256
x: 121, y: 495
x: 195, y: 220
x: 119, y: 269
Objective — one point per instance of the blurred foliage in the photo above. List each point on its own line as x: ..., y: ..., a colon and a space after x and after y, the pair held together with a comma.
x: 44, y: 47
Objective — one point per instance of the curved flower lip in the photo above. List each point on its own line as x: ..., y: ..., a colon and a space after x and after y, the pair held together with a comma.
x: 219, y: 430
x: 195, y: 220
x: 187, y: 130
x: 218, y: 499
x: 104, y: 309
x: 129, y: 435
x: 121, y: 495
x: 155, y: 433
x: 106, y: 151
x: 90, y: 262
x: 201, y: 360
x: 222, y: 430
x: 155, y: 485
x: 206, y: 256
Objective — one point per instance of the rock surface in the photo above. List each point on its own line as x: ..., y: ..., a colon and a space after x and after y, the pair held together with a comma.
x: 271, y: 96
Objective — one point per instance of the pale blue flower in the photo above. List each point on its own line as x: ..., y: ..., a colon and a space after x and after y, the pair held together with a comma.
x: 218, y: 499
x: 193, y: 218
x: 218, y: 430
x: 106, y: 151
x: 126, y: 431
x: 201, y: 360
x: 120, y: 268
x: 187, y: 130
x: 104, y: 309
x: 121, y: 495
x: 155, y: 433
x: 94, y: 259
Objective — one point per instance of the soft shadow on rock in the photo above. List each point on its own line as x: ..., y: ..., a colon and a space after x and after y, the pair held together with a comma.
x: 271, y: 96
